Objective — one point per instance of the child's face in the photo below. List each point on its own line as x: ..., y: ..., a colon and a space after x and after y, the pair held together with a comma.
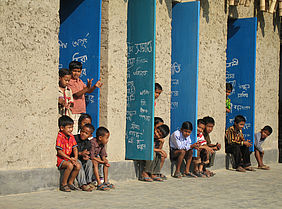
x: 240, y: 125
x: 85, y: 133
x: 104, y: 139
x: 85, y: 121
x: 185, y: 132
x: 228, y: 92
x: 200, y: 128
x: 209, y: 127
x: 157, y: 93
x: 67, y: 130
x: 63, y: 81
x: 157, y: 134
x: 264, y: 134
x: 76, y: 73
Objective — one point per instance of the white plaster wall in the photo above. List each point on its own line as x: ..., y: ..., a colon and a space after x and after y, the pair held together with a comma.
x: 29, y: 55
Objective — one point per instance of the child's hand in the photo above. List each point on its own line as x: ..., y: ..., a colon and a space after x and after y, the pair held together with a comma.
x: 73, y: 161
x: 107, y: 165
x: 163, y: 154
x: 99, y: 84
x: 86, y: 157
x: 61, y: 101
x: 218, y: 146
x: 246, y: 143
x: 89, y: 83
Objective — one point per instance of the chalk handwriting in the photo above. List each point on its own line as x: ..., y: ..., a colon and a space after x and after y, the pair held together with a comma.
x: 230, y: 76
x: 241, y: 107
x: 247, y: 125
x: 175, y: 68
x: 129, y: 114
x: 60, y: 66
x: 130, y: 62
x: 174, y: 105
x: 131, y: 140
x: 134, y: 126
x: 143, y: 110
x: 143, y: 102
x: 234, y: 62
x: 174, y: 82
x: 145, y: 47
x: 136, y: 134
x: 145, y: 117
x: 144, y: 92
x: 90, y: 98
x: 141, y: 60
x: 141, y: 146
x: 245, y: 86
x: 140, y: 72
x: 130, y: 91
x: 82, y: 59
x: 80, y: 42
x: 243, y: 94
x: 63, y: 45
x: 83, y: 71
x: 175, y: 93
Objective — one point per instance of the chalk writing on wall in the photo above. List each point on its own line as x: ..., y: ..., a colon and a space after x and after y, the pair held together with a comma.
x: 240, y: 72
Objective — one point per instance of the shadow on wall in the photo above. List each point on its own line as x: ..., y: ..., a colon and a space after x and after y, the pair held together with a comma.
x: 206, y: 7
x: 66, y: 8
x: 169, y: 5
x: 260, y: 17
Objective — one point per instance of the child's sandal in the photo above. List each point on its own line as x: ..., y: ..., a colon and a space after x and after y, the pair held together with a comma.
x: 73, y: 187
x: 103, y: 187
x: 65, y: 188
x: 109, y: 185
x: 157, y: 178
x: 86, y: 188
x: 163, y: 177
x: 177, y: 175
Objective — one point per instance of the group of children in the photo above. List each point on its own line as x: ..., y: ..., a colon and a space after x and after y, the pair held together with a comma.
x: 181, y: 146
x: 79, y: 154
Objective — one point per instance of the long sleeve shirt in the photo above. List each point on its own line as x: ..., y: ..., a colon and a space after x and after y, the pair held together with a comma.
x: 234, y: 136
x: 178, y: 141
x: 258, y: 141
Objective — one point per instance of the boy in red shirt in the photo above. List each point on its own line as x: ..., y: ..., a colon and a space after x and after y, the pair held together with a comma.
x: 65, y: 146
x: 79, y: 89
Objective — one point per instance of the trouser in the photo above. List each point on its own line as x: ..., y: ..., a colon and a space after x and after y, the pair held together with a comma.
x: 211, y: 157
x: 153, y: 166
x: 241, y: 155
x: 85, y: 173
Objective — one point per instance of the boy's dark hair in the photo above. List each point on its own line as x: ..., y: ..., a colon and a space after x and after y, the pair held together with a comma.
x: 267, y: 128
x: 158, y: 120
x: 200, y: 121
x: 101, y: 131
x: 63, y: 72
x: 239, y: 118
x: 164, y: 130
x: 75, y: 65
x: 187, y: 125
x: 158, y: 86
x: 90, y: 126
x: 208, y: 120
x: 229, y: 86
x: 81, y: 118
x: 65, y: 120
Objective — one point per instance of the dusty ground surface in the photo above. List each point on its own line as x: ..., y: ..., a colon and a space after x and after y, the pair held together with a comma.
x: 227, y: 189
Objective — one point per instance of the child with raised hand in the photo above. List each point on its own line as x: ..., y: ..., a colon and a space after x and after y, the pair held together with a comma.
x: 236, y: 145
x: 84, y: 119
x: 66, y: 146
x: 181, y: 148
x: 98, y: 156
x: 79, y: 89
x: 203, y: 152
x: 228, y: 101
x: 152, y: 167
x: 84, y: 177
x: 260, y: 137
x: 65, y: 100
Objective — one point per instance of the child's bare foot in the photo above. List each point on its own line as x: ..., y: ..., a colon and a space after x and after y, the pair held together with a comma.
x: 65, y: 188
x: 177, y: 175
x: 264, y: 167
x: 249, y: 168
x: 86, y: 188
x: 240, y: 169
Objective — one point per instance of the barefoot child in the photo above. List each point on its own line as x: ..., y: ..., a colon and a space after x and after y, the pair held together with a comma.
x: 65, y: 101
x: 260, y: 137
x: 99, y: 156
x: 65, y: 146
x: 152, y: 167
x: 238, y: 146
x: 84, y: 177
x: 181, y: 148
